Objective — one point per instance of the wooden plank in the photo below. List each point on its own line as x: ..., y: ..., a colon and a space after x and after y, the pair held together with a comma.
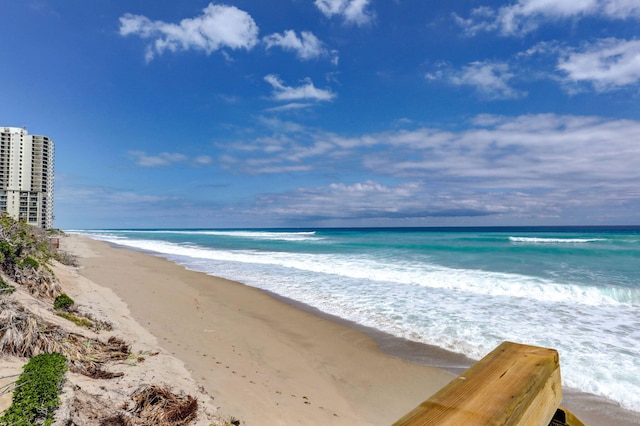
x: 513, y: 385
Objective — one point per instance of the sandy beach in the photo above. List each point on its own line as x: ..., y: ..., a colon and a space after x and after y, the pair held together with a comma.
x: 262, y: 360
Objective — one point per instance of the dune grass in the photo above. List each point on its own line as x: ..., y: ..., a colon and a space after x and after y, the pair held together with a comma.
x: 6, y: 288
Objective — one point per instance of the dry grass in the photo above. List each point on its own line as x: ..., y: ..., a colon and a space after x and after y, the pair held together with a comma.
x: 66, y: 258
x: 40, y: 282
x: 24, y: 335
x: 159, y: 406
x: 156, y: 405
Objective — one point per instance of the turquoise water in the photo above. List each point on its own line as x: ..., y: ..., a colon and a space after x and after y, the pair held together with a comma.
x: 464, y: 289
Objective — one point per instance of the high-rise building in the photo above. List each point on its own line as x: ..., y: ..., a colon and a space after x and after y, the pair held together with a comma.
x: 26, y: 176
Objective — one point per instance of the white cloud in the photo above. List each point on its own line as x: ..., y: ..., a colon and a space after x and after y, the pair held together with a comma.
x: 167, y: 159
x: 495, y: 169
x: 607, y: 64
x: 491, y: 80
x: 306, y: 47
x: 306, y: 91
x: 492, y: 168
x: 622, y: 8
x: 603, y: 65
x: 203, y: 160
x: 107, y: 196
x: 218, y: 27
x: 290, y: 107
x: 352, y: 11
x: 526, y: 15
x: 525, y: 153
x: 371, y: 200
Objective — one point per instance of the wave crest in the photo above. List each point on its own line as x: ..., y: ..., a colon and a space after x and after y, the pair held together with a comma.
x: 538, y: 240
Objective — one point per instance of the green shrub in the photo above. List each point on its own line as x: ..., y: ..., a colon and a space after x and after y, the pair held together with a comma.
x: 35, y: 397
x: 24, y: 251
x: 30, y: 262
x: 62, y: 302
x: 7, y: 252
x: 6, y: 288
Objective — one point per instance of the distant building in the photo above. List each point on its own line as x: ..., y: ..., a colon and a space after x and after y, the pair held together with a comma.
x: 26, y: 176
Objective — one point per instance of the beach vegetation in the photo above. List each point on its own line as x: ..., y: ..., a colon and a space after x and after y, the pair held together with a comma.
x: 66, y: 258
x: 65, y: 308
x: 82, y: 319
x: 62, y: 302
x: 36, y: 394
x: 30, y: 262
x: 6, y: 288
x: 79, y: 321
x: 25, y: 335
x: 53, y: 347
x: 25, y: 252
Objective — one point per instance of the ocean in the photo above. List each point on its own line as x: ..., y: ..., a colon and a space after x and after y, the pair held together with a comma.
x: 466, y: 290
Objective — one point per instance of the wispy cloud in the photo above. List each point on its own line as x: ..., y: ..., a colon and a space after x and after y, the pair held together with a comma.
x: 306, y: 91
x: 44, y: 8
x: 306, y: 46
x: 203, y: 160
x: 165, y: 159
x: 531, y: 164
x: 525, y: 152
x: 373, y: 200
x: 607, y: 64
x: 290, y: 107
x: 602, y: 65
x: 218, y: 27
x: 622, y: 8
x: 525, y: 16
x: 107, y: 196
x: 490, y: 80
x: 352, y: 11
x: 492, y: 168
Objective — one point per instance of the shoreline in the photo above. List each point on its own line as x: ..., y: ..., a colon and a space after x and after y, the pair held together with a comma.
x: 353, y: 374
x: 263, y: 361
x: 589, y: 408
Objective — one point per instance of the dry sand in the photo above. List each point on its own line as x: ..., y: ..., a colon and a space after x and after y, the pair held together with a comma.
x: 263, y: 361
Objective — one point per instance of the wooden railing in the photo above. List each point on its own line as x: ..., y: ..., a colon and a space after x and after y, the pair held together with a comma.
x: 513, y: 385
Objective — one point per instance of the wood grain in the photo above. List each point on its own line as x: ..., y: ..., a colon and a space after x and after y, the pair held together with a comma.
x: 513, y: 385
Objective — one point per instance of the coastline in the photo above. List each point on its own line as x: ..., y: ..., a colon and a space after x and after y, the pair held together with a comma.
x: 262, y: 360
x: 268, y: 360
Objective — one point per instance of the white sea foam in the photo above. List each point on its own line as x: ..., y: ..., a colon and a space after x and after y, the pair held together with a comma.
x: 420, y: 274
x: 474, y: 324
x: 284, y: 236
x: 537, y: 240
x: 267, y: 235
x: 469, y: 311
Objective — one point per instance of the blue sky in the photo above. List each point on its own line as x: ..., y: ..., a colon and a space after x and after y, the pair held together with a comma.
x: 299, y: 113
